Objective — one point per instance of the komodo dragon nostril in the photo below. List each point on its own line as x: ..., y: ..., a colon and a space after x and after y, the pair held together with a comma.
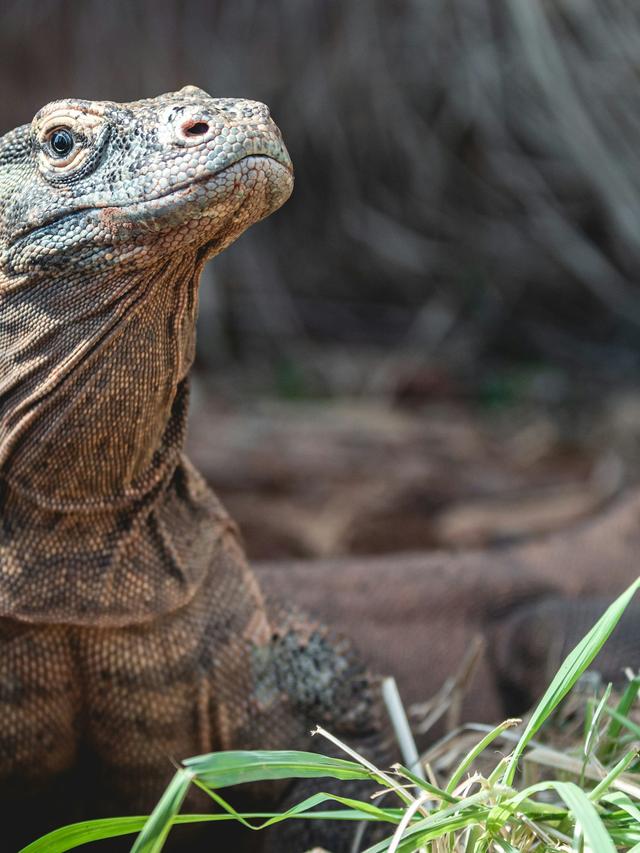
x: 195, y: 128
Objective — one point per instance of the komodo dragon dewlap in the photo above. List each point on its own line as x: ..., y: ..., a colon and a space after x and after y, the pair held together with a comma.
x: 131, y: 631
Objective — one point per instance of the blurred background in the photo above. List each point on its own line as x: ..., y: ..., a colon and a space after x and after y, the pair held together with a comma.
x: 437, y: 341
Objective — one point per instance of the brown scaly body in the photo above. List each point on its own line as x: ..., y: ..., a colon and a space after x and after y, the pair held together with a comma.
x: 131, y: 630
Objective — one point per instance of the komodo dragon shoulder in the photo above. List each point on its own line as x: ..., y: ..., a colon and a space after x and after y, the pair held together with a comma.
x: 132, y: 632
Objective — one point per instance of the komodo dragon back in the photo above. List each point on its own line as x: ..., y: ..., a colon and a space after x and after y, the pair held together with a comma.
x: 131, y: 631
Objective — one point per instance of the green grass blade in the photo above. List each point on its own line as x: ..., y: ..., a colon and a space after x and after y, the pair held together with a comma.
x: 579, y: 804
x: 585, y: 814
x: 357, y: 810
x: 221, y: 769
x: 570, y: 671
x: 596, y: 716
x: 477, y: 750
x: 612, y: 775
x: 422, y: 784
x: 156, y: 829
x: 465, y: 812
x: 622, y: 801
x: 415, y: 840
x: 623, y: 708
x: 624, y: 722
x: 76, y: 834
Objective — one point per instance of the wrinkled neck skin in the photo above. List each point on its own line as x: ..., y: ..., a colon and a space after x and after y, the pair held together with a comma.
x: 88, y: 383
x: 100, y: 512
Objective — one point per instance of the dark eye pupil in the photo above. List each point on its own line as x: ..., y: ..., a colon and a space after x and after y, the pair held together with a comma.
x: 61, y: 142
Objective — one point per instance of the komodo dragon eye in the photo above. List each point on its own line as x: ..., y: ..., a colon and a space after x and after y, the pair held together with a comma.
x: 61, y: 142
x: 69, y: 141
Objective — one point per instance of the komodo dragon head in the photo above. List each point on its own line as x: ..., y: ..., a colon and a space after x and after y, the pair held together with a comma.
x: 107, y: 214
x: 100, y: 185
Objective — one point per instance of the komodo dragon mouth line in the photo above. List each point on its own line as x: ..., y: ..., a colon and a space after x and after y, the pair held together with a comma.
x: 182, y: 193
x: 147, y: 204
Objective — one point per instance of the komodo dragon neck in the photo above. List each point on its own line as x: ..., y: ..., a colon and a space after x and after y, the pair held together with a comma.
x: 107, y: 215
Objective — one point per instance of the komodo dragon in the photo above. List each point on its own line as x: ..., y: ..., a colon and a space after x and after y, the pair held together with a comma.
x: 131, y: 630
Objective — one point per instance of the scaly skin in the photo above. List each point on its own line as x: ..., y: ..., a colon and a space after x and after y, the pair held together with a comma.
x: 131, y: 631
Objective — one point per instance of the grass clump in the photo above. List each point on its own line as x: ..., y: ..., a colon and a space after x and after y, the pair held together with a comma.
x: 535, y: 798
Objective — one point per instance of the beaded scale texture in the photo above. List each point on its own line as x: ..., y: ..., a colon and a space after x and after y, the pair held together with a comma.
x: 132, y: 631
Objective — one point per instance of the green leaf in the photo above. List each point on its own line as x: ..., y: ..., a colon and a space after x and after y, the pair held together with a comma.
x: 221, y: 769
x: 623, y: 708
x: 479, y: 748
x: 356, y: 810
x: 570, y: 671
x: 69, y: 837
x: 158, y: 826
x: 612, y: 775
x: 457, y: 816
x: 624, y: 722
x: 582, y: 809
x: 624, y: 802
x: 596, y: 716
x: 76, y: 834
x: 422, y: 784
x: 585, y: 813
x: 417, y: 840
